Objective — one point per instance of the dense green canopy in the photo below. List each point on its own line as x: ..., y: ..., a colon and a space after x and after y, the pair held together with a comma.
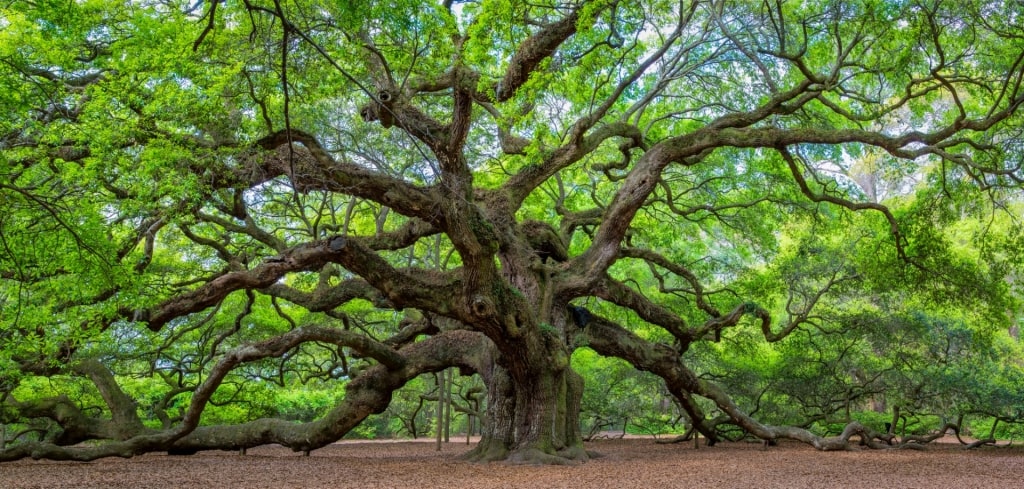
x: 235, y: 223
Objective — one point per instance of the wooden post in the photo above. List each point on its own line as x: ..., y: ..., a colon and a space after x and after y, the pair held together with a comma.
x: 439, y: 425
x: 449, y: 380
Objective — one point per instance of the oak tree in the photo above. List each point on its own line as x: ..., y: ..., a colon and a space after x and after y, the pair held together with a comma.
x: 203, y: 193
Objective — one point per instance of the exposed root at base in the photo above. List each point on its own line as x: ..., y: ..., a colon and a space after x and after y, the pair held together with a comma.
x: 533, y: 456
x: 485, y: 453
x: 528, y: 456
x: 577, y: 453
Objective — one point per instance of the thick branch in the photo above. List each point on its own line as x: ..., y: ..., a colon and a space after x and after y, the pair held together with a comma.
x: 368, y: 393
x: 302, y: 258
x: 76, y: 426
x: 619, y: 294
x: 124, y: 410
x: 526, y: 181
x: 399, y: 288
x: 316, y: 169
x: 733, y: 131
x: 532, y: 51
x: 325, y: 298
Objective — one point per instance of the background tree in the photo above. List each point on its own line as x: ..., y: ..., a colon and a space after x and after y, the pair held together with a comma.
x: 221, y: 196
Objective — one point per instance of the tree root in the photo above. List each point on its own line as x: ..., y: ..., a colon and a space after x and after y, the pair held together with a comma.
x: 577, y: 453
x: 485, y: 452
x: 493, y: 452
x: 533, y: 456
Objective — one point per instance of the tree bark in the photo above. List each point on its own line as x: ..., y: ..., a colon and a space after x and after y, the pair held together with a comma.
x: 533, y: 407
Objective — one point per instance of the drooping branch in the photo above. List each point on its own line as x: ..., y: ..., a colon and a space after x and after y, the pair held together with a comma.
x: 610, y: 339
x: 767, y: 432
x: 76, y: 426
x: 368, y: 393
x: 123, y: 410
x: 696, y: 288
x: 801, y: 182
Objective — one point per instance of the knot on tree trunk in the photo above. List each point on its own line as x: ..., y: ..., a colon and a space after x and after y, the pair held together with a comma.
x: 481, y: 306
x: 379, y: 109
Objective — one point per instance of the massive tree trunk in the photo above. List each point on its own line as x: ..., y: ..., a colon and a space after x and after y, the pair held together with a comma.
x: 533, y: 407
x: 533, y: 395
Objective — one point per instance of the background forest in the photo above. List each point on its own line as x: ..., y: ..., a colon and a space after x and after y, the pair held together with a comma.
x: 235, y: 223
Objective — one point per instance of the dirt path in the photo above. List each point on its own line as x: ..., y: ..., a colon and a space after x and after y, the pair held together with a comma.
x: 633, y: 463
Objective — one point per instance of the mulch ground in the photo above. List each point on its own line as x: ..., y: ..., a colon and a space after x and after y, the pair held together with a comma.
x: 628, y: 463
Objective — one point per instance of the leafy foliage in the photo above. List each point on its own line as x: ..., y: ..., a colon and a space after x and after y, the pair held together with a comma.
x: 225, y: 224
